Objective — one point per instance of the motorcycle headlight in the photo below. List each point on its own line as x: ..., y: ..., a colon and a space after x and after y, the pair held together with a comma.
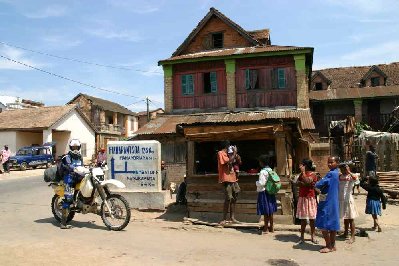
x: 100, y: 177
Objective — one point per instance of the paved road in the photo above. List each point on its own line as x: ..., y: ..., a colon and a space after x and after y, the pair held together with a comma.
x: 29, y: 235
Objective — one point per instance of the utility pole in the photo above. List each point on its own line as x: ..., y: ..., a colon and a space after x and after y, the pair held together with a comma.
x: 148, y: 108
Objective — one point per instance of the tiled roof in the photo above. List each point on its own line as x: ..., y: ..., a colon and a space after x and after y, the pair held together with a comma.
x: 105, y: 104
x: 166, y: 124
x: 261, y: 35
x: 33, y: 118
x: 235, y: 51
x: 354, y: 93
x: 350, y: 77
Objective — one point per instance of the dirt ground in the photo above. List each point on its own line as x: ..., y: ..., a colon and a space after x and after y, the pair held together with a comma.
x: 30, y: 236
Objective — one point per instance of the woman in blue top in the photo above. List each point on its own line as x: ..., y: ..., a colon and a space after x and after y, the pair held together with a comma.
x: 327, y: 218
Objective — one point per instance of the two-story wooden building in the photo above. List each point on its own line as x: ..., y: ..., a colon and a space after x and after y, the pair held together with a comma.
x: 369, y: 93
x: 111, y: 120
x: 224, y: 82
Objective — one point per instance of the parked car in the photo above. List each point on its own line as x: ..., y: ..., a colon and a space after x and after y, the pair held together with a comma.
x: 33, y: 157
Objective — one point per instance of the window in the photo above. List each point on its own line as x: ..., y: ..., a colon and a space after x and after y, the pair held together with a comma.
x: 251, y: 79
x: 187, y: 84
x: 318, y: 86
x: 278, y: 78
x: 83, y: 149
x: 375, y: 81
x: 217, y: 40
x: 210, y: 82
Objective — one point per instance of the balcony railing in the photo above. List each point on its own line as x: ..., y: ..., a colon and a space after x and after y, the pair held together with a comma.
x: 110, y: 128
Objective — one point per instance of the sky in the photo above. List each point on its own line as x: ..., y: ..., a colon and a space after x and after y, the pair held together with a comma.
x: 110, y: 48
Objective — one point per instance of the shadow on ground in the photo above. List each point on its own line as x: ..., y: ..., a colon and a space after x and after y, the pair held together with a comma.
x: 77, y: 224
x: 174, y: 213
x: 294, y: 238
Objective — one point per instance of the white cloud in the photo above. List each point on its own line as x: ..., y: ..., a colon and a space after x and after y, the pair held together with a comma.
x: 138, y: 7
x: 105, y: 29
x: 387, y: 50
x: 46, y: 12
x: 61, y: 41
x: 16, y: 55
x: 367, y: 6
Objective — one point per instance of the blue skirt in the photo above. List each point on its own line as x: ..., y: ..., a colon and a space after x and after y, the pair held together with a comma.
x: 267, y: 204
x: 373, y: 207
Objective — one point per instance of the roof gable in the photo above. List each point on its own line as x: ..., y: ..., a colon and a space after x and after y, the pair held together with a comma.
x: 373, y: 69
x: 215, y: 14
x: 320, y: 74
x: 104, y: 104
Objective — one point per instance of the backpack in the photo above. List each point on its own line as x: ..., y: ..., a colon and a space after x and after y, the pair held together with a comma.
x: 273, y: 184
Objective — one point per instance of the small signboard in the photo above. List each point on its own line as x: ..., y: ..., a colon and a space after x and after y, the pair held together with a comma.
x: 137, y: 164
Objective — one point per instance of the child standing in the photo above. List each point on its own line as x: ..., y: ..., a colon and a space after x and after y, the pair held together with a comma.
x: 307, y: 205
x: 374, y: 198
x: 266, y: 204
x: 327, y: 218
x: 347, y: 206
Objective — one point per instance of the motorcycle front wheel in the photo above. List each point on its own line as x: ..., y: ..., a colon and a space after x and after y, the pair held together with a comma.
x: 56, y: 209
x: 120, y: 210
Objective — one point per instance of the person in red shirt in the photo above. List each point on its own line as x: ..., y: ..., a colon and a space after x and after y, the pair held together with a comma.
x: 307, y: 205
x: 228, y: 178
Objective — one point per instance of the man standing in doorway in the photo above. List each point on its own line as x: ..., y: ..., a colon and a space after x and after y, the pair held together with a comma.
x: 228, y: 178
x: 371, y: 162
x: 5, y: 156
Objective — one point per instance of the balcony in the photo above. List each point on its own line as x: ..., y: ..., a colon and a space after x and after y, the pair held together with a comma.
x: 110, y: 129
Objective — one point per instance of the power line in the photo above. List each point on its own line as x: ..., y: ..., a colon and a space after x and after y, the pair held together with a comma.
x: 78, y: 60
x: 135, y: 102
x: 62, y: 77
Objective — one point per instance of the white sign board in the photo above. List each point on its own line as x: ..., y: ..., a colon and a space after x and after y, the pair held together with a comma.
x: 137, y: 164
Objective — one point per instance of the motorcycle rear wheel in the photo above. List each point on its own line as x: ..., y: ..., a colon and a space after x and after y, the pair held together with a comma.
x: 56, y: 209
x: 120, y: 209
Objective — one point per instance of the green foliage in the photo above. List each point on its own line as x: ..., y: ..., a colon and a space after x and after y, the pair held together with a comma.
x: 360, y: 126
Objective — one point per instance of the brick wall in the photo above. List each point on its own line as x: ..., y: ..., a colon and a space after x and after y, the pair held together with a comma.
x: 231, y: 90
x: 168, y: 93
x: 176, y: 172
x: 231, y: 38
x: 84, y: 106
x: 302, y: 89
x: 319, y: 154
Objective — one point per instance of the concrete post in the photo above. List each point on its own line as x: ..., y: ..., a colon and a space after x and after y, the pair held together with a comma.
x: 47, y: 135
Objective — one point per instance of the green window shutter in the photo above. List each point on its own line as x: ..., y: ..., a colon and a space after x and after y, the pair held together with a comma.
x: 281, y: 78
x: 247, y: 79
x: 187, y: 84
x: 190, y: 84
x: 184, y: 84
x: 214, y: 82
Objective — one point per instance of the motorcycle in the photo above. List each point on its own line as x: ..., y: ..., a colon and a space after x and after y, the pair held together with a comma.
x: 92, y: 195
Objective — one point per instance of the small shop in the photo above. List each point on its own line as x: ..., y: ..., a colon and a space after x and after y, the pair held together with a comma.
x: 281, y: 134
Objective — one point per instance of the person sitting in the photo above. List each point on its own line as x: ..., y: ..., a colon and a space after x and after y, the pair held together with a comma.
x: 181, y: 192
x: 68, y: 163
x: 101, y: 157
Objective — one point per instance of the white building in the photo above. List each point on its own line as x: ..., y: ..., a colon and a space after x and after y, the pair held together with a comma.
x: 36, y: 126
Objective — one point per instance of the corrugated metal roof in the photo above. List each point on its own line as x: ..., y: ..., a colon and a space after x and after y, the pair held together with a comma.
x: 166, y: 124
x: 235, y: 51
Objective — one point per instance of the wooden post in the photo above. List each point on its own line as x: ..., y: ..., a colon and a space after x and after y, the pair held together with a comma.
x: 190, y: 158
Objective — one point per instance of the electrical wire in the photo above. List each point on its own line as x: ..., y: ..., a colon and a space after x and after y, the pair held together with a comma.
x: 71, y: 80
x: 78, y: 60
